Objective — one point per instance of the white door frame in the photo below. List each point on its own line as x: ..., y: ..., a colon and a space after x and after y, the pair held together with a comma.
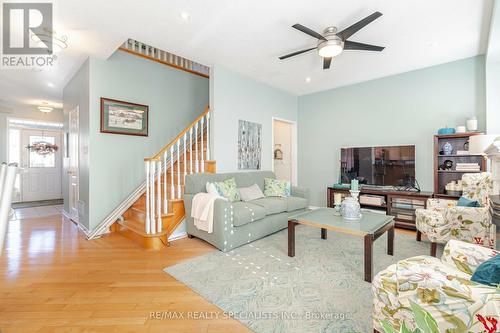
x: 294, y: 144
x: 73, y: 167
x: 27, y: 126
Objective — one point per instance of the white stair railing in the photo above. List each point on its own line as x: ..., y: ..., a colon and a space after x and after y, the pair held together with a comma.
x: 169, y: 160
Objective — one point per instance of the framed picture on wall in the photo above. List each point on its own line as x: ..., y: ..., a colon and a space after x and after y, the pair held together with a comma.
x: 119, y: 117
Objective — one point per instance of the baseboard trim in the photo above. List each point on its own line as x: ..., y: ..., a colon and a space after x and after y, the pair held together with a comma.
x: 80, y: 226
x: 177, y: 237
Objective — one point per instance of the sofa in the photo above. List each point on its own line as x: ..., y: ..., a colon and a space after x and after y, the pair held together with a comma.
x: 239, y: 223
x: 442, y: 287
x: 444, y: 220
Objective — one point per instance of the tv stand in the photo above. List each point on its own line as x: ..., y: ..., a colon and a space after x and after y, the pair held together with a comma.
x: 400, y: 204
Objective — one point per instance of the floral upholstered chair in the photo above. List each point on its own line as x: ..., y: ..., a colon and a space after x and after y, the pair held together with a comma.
x: 444, y: 220
x: 441, y: 287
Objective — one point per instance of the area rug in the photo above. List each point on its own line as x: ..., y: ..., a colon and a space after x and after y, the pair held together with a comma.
x: 321, y: 289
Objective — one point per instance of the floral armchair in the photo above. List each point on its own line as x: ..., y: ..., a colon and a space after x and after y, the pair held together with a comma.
x: 444, y: 220
x: 442, y: 288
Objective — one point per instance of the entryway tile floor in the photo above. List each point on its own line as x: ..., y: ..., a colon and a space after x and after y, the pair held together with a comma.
x: 33, y: 212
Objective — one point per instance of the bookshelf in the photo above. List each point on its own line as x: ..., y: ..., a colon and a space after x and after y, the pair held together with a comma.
x: 442, y: 177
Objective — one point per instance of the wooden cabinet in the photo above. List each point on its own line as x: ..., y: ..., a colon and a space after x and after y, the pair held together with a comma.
x: 459, y: 144
x: 400, y: 204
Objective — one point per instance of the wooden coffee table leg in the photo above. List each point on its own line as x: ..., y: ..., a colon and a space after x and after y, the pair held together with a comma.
x: 390, y: 241
x: 323, y: 233
x: 433, y: 249
x: 419, y: 236
x: 368, y: 257
x: 291, y: 238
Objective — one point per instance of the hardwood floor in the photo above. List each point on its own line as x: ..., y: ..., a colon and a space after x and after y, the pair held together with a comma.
x: 53, y: 280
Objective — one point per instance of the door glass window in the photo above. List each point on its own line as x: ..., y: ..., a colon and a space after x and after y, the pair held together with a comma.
x: 37, y: 160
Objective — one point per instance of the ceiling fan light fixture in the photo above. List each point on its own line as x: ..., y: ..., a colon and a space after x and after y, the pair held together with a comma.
x: 330, y: 48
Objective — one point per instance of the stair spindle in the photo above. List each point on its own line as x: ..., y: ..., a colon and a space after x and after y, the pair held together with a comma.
x: 208, y: 135
x: 165, y: 200
x: 158, y: 203
x: 191, y: 150
x: 146, y: 164
x: 172, y: 189
x: 202, y: 162
x: 153, y: 197
x: 197, y: 166
x: 179, y: 193
x: 185, y: 157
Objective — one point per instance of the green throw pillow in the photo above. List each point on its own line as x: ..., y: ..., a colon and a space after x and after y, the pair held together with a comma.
x: 277, y: 188
x: 228, y: 189
x: 488, y: 272
x: 464, y: 202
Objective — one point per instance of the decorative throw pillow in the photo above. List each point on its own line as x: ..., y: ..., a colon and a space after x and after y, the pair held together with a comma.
x: 212, y: 189
x: 277, y: 188
x: 250, y: 193
x: 228, y: 189
x: 464, y: 202
x: 488, y: 272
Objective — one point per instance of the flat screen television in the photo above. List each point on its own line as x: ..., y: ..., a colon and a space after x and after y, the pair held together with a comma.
x: 381, y: 166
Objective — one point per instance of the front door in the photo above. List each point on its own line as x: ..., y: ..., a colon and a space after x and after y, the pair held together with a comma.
x: 41, y: 177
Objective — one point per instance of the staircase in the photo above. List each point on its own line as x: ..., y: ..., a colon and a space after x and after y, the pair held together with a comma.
x: 158, y: 212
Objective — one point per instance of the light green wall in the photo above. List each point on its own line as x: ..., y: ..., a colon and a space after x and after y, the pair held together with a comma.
x: 402, y: 109
x: 116, y: 162
x: 235, y: 96
x: 175, y: 98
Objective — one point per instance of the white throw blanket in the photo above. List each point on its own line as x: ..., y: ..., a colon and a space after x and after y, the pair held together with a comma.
x: 203, y: 211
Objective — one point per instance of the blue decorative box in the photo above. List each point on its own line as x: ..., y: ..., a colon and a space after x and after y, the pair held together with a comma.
x: 446, y: 130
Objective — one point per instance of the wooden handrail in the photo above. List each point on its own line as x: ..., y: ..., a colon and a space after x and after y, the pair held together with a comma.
x: 158, y: 156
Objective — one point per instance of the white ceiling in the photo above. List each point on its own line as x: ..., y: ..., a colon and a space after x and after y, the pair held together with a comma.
x: 247, y: 36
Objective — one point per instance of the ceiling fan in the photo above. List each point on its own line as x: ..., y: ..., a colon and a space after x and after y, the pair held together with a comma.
x: 332, y: 43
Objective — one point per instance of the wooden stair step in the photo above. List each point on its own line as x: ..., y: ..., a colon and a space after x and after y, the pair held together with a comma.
x: 140, y: 210
x: 138, y: 228
x: 141, y: 202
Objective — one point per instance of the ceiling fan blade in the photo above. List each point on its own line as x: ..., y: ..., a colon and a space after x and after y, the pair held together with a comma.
x: 348, y: 32
x: 308, y: 31
x: 348, y: 45
x: 297, y: 53
x: 327, y: 62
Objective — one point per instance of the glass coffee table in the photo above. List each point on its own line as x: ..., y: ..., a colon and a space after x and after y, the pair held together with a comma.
x: 371, y: 226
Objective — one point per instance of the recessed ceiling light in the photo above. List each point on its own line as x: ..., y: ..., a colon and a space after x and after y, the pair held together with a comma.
x: 185, y: 15
x: 308, y: 79
x: 50, y: 84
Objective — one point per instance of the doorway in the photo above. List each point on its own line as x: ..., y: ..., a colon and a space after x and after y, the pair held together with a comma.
x: 36, y: 147
x: 285, y: 149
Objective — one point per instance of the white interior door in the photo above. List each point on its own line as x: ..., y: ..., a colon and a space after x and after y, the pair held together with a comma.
x: 73, y: 167
x: 41, y: 178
